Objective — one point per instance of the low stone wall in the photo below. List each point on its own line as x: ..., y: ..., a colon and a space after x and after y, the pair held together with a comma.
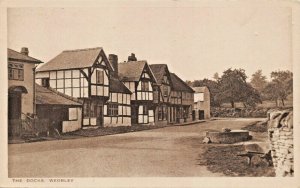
x: 280, y: 129
x: 238, y: 112
x: 228, y: 137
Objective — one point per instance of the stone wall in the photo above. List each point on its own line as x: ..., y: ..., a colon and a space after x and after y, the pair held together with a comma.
x: 238, y: 112
x: 280, y: 129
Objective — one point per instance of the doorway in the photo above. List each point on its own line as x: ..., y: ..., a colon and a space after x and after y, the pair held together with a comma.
x: 201, y: 114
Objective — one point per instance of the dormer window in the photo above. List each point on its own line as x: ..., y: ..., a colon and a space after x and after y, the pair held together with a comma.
x: 45, y: 82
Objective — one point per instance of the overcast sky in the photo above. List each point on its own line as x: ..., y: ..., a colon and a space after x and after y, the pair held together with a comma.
x: 195, y: 42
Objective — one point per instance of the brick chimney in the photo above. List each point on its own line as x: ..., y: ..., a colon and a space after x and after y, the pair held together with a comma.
x: 113, y: 59
x: 132, y: 57
x: 25, y: 51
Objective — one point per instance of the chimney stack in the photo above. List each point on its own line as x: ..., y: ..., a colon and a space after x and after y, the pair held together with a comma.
x: 25, y: 51
x: 132, y: 57
x: 113, y: 59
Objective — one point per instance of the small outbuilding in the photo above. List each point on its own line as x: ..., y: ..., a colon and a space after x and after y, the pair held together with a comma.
x: 61, y: 112
x: 201, y: 108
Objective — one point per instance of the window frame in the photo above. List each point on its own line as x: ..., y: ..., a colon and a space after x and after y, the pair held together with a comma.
x: 100, y: 77
x: 113, y: 109
x: 16, y: 71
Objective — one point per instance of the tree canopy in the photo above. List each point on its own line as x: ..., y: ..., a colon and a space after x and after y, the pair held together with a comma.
x: 234, y: 88
x: 280, y: 86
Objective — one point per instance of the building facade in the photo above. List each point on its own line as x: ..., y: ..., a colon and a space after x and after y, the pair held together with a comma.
x: 201, y: 108
x: 162, y: 94
x: 139, y: 79
x: 83, y: 74
x: 182, y: 100
x: 21, y: 90
x: 21, y: 83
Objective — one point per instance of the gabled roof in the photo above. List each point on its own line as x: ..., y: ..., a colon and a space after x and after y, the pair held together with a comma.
x: 70, y: 59
x: 159, y: 71
x: 180, y: 85
x: 200, y: 89
x: 132, y: 70
x: 117, y: 86
x: 46, y: 96
x: 17, y: 56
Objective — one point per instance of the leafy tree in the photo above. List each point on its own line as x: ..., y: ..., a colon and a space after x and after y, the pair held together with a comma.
x: 280, y: 86
x: 258, y: 81
x: 234, y: 88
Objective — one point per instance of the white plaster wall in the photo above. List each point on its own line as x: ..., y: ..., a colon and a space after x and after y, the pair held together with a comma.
x: 73, y: 125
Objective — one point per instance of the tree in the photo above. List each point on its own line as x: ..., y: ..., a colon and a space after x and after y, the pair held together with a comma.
x: 234, y: 88
x: 280, y: 86
x: 216, y: 76
x: 189, y: 83
x: 258, y: 81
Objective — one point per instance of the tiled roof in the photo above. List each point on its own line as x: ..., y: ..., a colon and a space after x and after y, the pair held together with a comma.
x: 69, y: 59
x: 158, y: 71
x: 17, y: 56
x: 180, y: 85
x: 199, y: 89
x: 131, y: 71
x: 117, y: 86
x: 45, y: 96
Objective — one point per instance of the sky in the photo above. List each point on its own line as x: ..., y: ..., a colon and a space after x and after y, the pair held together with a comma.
x: 194, y: 41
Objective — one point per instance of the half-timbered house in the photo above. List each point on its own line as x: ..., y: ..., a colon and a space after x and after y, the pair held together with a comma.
x: 139, y: 79
x: 182, y: 100
x: 83, y: 74
x: 162, y: 94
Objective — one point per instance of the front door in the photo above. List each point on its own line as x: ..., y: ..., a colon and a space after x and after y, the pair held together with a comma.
x: 14, y: 105
x: 99, y: 114
x: 194, y: 115
x: 201, y: 114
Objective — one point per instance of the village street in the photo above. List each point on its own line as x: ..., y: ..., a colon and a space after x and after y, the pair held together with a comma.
x: 170, y: 151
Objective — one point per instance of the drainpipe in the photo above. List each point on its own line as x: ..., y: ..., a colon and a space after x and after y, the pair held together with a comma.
x: 34, y: 103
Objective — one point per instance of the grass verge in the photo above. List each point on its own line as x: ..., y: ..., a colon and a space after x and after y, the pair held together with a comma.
x: 224, y: 159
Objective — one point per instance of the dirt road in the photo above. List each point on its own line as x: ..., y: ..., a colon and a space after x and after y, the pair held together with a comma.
x: 169, y: 152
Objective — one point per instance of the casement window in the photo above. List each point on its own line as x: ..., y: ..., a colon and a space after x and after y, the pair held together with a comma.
x: 15, y: 71
x: 165, y: 91
x: 165, y: 112
x: 112, y: 109
x: 45, y: 82
x: 145, y: 110
x: 165, y: 80
x: 99, y: 77
x: 162, y: 113
x: 73, y: 115
x: 145, y: 86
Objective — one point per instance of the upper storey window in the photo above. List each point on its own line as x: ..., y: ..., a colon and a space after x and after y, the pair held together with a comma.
x: 99, y: 77
x: 145, y: 86
x: 15, y: 71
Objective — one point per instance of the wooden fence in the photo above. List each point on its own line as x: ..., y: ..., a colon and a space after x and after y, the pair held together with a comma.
x: 17, y: 127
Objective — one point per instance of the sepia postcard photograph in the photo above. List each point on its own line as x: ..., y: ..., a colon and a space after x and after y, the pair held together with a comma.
x: 135, y: 93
